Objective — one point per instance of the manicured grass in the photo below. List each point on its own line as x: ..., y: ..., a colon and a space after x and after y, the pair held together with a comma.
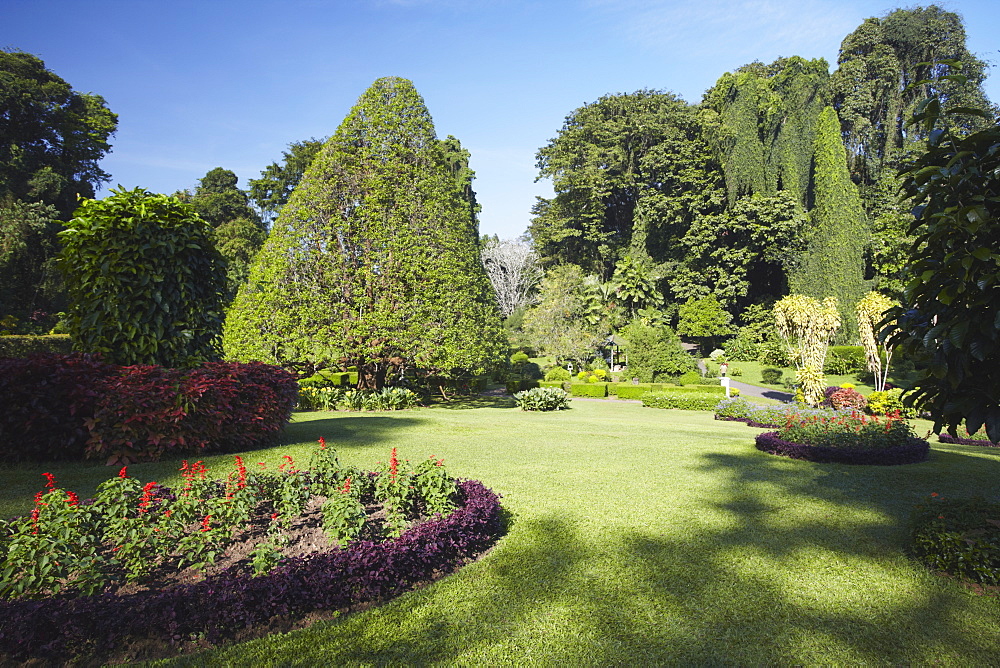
x: 642, y: 536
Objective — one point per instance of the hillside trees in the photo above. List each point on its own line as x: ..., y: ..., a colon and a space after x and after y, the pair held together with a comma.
x: 374, y: 260
x: 145, y: 283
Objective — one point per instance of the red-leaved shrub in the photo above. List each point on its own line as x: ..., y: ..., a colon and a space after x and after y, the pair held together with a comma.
x: 74, y: 406
x: 45, y: 398
x: 848, y: 398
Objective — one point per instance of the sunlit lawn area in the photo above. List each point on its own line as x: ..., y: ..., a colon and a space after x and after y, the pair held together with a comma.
x: 640, y: 536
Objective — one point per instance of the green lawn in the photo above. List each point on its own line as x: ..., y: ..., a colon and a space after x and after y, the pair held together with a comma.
x: 641, y: 536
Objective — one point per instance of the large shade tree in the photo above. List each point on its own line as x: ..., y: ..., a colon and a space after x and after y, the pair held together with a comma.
x: 374, y: 260
x: 52, y: 139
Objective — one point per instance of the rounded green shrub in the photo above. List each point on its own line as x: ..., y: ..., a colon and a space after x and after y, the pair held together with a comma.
x: 558, y: 373
x: 542, y: 399
x: 770, y: 376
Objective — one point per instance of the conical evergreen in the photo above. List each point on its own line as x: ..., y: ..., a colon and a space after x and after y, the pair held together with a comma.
x: 833, y: 264
x: 374, y: 259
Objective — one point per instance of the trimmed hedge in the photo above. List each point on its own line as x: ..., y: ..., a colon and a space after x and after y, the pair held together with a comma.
x: 691, y: 401
x: 15, y: 345
x: 555, y: 383
x: 222, y: 605
x: 589, y: 389
x: 75, y: 406
x: 914, y: 451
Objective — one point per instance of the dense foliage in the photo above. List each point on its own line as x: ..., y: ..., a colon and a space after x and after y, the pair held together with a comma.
x: 951, y: 313
x: 51, y: 141
x: 374, y: 261
x: 145, y: 282
x: 542, y: 399
x: 960, y: 537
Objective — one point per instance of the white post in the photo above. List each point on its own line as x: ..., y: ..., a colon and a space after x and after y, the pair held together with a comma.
x: 725, y: 383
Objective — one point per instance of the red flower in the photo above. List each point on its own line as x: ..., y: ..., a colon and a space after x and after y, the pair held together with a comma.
x: 123, y: 473
x: 274, y: 516
x: 288, y: 462
x: 72, y: 499
x: 147, y: 496
x: 322, y: 443
x: 347, y: 486
x: 51, y: 484
x: 204, y: 523
x: 934, y: 494
x: 242, y: 470
x: 393, y: 466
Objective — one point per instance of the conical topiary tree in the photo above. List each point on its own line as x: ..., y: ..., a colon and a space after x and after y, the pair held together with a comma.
x: 374, y: 261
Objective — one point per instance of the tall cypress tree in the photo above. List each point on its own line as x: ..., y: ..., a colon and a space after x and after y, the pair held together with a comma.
x: 834, y: 261
x: 373, y: 262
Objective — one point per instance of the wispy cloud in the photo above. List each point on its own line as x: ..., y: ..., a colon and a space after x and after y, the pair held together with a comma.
x: 748, y: 27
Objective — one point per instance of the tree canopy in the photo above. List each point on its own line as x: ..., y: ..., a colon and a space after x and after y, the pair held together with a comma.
x: 374, y: 260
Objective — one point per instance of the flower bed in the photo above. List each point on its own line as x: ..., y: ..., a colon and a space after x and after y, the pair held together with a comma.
x: 912, y: 452
x: 847, y: 439
x: 738, y: 409
x: 965, y: 438
x: 64, y: 627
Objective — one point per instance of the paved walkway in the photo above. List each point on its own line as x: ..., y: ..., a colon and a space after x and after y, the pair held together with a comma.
x: 748, y: 390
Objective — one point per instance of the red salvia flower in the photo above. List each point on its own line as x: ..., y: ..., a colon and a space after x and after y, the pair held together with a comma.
x: 322, y: 443
x: 204, y: 523
x: 347, y: 486
x: 393, y: 466
x: 72, y: 499
x: 51, y: 484
x: 288, y: 462
x: 147, y: 496
x: 242, y: 470
x: 123, y: 473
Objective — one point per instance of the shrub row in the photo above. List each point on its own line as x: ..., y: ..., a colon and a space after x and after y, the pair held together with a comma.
x: 76, y: 406
x: 692, y: 401
x: 15, y: 345
x: 222, y: 605
x: 915, y: 450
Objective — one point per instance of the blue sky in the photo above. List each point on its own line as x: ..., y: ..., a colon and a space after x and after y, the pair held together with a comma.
x: 217, y: 83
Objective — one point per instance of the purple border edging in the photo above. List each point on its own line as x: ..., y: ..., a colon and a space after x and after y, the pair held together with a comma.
x: 948, y: 438
x: 748, y: 422
x: 915, y: 451
x: 229, y: 602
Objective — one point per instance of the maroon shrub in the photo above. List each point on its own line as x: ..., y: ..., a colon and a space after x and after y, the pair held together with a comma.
x: 45, y: 399
x: 147, y: 411
x: 915, y: 450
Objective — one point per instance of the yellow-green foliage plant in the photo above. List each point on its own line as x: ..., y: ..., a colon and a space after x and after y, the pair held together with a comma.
x: 871, y: 310
x: 807, y: 325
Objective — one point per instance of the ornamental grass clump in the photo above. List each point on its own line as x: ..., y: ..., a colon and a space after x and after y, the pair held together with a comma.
x: 543, y: 399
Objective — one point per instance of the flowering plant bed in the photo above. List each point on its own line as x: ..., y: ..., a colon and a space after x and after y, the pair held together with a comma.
x: 846, y: 439
x: 738, y: 409
x: 963, y: 437
x: 104, y: 583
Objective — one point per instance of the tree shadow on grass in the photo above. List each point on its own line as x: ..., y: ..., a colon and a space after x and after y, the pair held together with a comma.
x: 347, y: 432
x: 787, y: 563
x: 477, y: 401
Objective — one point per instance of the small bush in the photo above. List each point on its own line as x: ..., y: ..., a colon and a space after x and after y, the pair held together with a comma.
x: 960, y: 537
x: 21, y: 346
x: 844, y: 360
x: 692, y: 401
x: 846, y: 398
x: 770, y: 376
x: 543, y: 399
x: 890, y: 402
x: 689, y: 378
x: 558, y: 373
x: 589, y: 389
